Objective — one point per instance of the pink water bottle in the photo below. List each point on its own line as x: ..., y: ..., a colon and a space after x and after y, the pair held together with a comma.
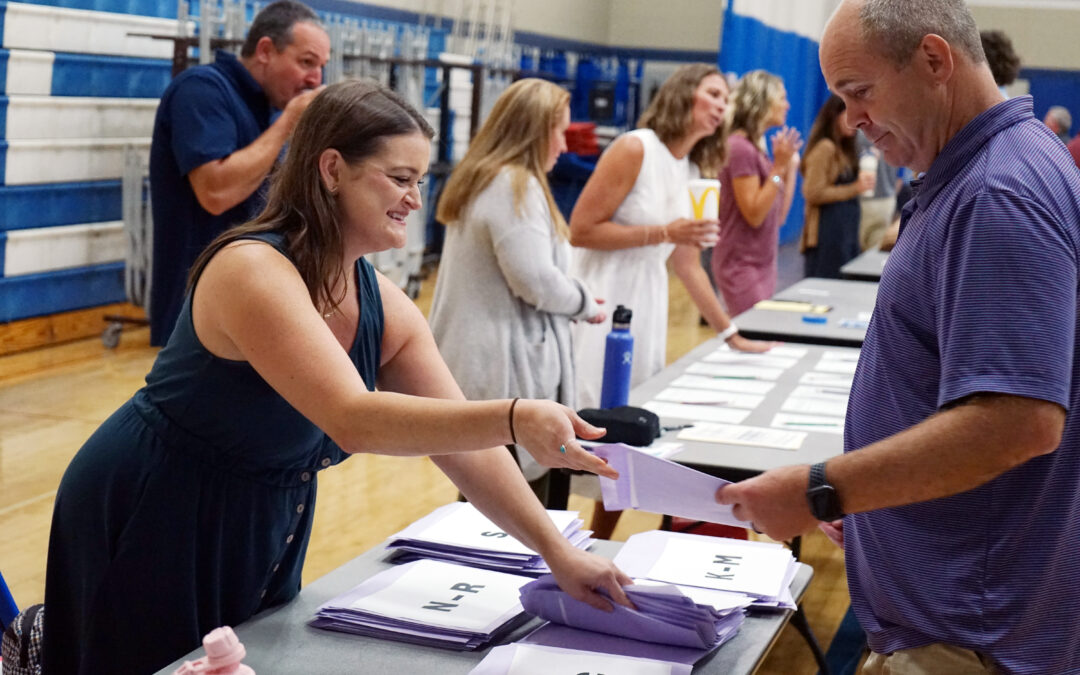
x: 224, y: 652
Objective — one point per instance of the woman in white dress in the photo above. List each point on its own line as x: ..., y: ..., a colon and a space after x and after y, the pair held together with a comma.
x: 633, y: 214
x: 504, y: 301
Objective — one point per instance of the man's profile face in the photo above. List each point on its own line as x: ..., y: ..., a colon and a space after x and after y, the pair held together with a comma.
x: 891, y: 105
x: 298, y: 66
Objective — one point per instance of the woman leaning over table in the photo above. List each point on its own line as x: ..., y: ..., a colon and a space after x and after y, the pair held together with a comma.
x: 632, y: 216
x: 191, y: 506
x: 504, y: 301
x: 755, y: 194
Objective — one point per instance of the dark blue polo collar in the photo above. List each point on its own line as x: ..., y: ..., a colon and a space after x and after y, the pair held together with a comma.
x: 245, y: 84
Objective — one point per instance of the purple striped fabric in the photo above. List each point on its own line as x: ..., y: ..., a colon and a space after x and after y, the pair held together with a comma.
x: 980, y: 295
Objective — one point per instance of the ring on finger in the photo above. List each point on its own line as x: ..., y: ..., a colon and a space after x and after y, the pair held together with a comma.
x: 562, y: 449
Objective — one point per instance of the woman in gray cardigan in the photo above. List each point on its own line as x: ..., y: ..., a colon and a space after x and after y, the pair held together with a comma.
x: 503, y: 300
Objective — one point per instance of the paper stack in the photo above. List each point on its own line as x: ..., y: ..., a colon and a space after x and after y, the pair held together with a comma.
x: 458, y: 532
x: 428, y: 602
x: 664, y: 615
x: 749, y: 571
x: 522, y: 658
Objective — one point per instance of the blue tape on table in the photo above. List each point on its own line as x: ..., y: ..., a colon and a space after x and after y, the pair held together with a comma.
x: 812, y: 318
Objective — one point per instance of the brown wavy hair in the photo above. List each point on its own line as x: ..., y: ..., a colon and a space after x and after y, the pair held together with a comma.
x: 671, y: 112
x: 516, y: 134
x: 825, y: 127
x: 355, y: 118
x: 751, y: 100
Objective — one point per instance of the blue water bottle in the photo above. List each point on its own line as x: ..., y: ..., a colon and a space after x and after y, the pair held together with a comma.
x: 618, y: 358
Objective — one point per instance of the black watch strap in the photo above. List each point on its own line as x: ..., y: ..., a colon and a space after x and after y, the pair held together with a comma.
x: 822, y: 498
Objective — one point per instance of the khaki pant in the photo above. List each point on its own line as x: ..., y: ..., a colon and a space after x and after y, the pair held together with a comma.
x: 935, y: 659
x: 875, y: 216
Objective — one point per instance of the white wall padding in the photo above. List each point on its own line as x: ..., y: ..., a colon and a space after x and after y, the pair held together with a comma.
x: 82, y: 31
x: 41, y: 117
x: 69, y: 159
x: 52, y: 248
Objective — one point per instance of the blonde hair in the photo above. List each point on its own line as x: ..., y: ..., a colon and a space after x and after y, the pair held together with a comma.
x: 671, y: 113
x: 517, y: 134
x: 750, y: 103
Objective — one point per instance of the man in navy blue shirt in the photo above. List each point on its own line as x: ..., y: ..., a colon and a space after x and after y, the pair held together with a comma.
x: 215, y: 141
x: 961, y: 472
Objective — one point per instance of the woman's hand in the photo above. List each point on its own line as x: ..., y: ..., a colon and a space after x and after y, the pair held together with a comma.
x: 786, y: 144
x: 739, y: 343
x: 549, y: 432
x: 865, y: 182
x: 599, y: 317
x: 582, y: 574
x: 701, y: 233
x: 834, y: 531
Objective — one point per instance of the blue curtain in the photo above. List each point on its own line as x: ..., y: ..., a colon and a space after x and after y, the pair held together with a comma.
x: 748, y: 43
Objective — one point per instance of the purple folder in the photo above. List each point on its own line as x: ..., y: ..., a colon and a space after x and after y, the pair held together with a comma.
x: 659, y: 485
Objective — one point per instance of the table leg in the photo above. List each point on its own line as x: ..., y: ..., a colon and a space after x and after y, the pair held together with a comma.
x: 798, y: 619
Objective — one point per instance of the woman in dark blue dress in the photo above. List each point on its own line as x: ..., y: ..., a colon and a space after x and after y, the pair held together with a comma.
x: 831, y: 186
x: 191, y: 506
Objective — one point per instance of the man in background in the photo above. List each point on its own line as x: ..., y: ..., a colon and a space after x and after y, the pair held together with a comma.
x: 1059, y: 120
x: 216, y: 139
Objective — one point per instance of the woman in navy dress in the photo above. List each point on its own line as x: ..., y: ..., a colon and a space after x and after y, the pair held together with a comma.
x: 191, y: 506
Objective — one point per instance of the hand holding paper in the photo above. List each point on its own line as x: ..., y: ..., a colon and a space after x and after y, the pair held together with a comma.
x: 549, y: 432
x: 662, y: 486
x: 582, y: 575
x: 775, y: 501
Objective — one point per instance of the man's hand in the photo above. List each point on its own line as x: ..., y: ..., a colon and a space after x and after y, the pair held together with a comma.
x: 299, y: 103
x: 775, y: 502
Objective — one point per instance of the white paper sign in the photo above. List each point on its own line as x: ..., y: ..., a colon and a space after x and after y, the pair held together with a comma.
x: 847, y: 355
x: 447, y: 595
x: 826, y: 393
x: 738, y: 435
x: 786, y: 351
x: 697, y: 413
x: 733, y: 371
x: 834, y: 366
x: 533, y: 660
x: 465, y: 526
x: 757, y: 387
x: 706, y: 396
x: 744, y: 359
x: 815, y: 406
x: 815, y: 423
x: 712, y: 563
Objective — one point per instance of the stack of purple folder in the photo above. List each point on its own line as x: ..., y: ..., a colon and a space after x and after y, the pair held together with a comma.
x: 663, y: 615
x: 429, y: 602
x: 458, y: 532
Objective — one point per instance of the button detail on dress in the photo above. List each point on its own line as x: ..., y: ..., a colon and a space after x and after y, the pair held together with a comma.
x: 325, y: 461
x: 306, y: 476
x: 299, y: 508
x: 288, y: 539
x: 276, y: 567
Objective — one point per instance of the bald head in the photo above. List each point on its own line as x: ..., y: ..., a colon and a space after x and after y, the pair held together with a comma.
x: 896, y: 28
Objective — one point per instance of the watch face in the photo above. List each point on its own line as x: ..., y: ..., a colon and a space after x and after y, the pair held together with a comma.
x: 823, y: 502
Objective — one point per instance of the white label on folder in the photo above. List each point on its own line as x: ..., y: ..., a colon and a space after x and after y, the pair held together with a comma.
x: 697, y: 412
x: 738, y: 435
x: 469, y: 527
x: 711, y: 563
x: 530, y: 660
x: 757, y: 387
x: 815, y: 423
x: 451, y: 596
x: 709, y: 397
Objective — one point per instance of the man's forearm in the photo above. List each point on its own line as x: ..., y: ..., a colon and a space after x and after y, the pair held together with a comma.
x: 222, y: 184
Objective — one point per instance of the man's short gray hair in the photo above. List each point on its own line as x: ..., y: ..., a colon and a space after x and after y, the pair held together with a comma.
x: 1062, y: 115
x: 895, y: 28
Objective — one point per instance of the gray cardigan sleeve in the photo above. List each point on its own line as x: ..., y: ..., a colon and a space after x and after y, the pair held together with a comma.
x: 523, y: 241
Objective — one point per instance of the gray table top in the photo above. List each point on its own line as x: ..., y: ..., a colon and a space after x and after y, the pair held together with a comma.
x: 867, y: 266
x: 848, y: 300
x: 735, y: 462
x: 280, y: 641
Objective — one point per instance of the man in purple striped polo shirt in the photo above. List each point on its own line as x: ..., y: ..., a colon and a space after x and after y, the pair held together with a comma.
x: 961, y: 472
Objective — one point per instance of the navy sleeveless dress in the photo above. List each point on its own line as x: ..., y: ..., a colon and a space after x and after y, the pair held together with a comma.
x: 189, y: 508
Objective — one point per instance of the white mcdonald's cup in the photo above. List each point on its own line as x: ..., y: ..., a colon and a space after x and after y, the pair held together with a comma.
x: 868, y: 165
x: 705, y: 198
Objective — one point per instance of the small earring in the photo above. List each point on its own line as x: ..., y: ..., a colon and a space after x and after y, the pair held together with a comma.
x: 332, y: 190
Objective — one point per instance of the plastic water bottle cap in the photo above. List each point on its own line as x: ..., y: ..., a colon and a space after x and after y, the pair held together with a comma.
x: 223, y: 648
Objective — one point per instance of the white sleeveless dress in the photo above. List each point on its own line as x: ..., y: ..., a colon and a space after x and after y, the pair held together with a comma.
x: 634, y: 277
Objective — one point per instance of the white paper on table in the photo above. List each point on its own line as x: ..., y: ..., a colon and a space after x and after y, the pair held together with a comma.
x: 786, y: 351
x: 740, y: 435
x: 815, y: 423
x: 814, y: 406
x: 464, y: 525
x: 713, y: 562
x: 535, y: 660
x: 839, y: 394
x: 745, y: 359
x: 865, y: 316
x: 703, y: 396
x: 817, y: 292
x: 734, y: 371
x: 849, y: 355
x: 841, y: 367
x: 697, y: 413
x: 826, y: 380
x: 757, y: 387
x: 455, y: 596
